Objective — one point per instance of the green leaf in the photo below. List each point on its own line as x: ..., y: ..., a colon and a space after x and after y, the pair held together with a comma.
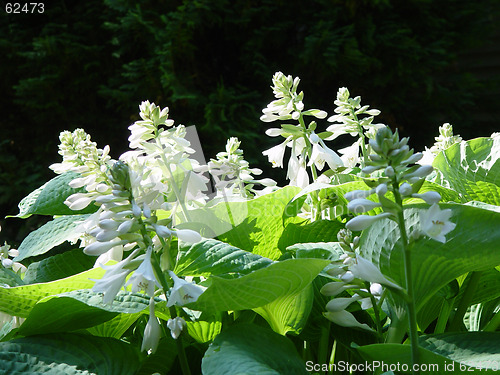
x: 261, y: 223
x: 259, y: 287
x: 471, y: 246
x: 58, y: 266
x: 68, y: 354
x: 288, y: 313
x: 317, y: 231
x: 49, y: 198
x: 9, y: 277
x: 212, y: 257
x: 115, y: 327
x: 19, y: 301
x: 449, y: 353
x: 472, y: 169
x: 250, y: 349
x: 206, y: 328
x: 318, y: 250
x: 51, y: 234
x: 77, y: 310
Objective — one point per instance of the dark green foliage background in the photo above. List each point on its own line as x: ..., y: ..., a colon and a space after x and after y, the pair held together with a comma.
x: 90, y: 63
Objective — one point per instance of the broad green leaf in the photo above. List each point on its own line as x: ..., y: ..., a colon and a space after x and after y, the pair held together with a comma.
x: 317, y: 231
x: 68, y: 354
x: 472, y: 169
x: 319, y: 250
x: 487, y: 289
x: 251, y: 349
x: 261, y: 224
x: 206, y: 328
x: 288, y: 313
x: 259, y: 287
x: 49, y: 198
x: 471, y: 246
x: 58, y: 266
x: 162, y: 360
x: 115, y: 327
x: 53, y: 233
x: 9, y: 277
x: 449, y: 353
x: 77, y: 310
x: 212, y: 257
x: 19, y: 301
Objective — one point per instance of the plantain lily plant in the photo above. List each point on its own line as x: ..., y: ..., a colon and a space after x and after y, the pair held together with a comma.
x: 374, y: 258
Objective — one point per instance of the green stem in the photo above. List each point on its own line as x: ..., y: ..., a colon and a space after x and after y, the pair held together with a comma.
x: 155, y: 261
x: 323, y: 344
x: 410, y: 304
x: 332, y: 356
x: 362, y: 138
x: 465, y: 302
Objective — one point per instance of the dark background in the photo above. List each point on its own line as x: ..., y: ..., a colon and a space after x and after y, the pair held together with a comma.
x: 90, y: 63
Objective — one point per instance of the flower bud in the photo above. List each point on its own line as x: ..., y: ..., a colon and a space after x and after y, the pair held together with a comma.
x: 362, y: 205
x: 187, y: 235
x: 355, y: 194
x: 389, y: 171
x: 176, y: 326
x: 429, y: 197
x: 381, y: 189
x: 405, y: 189
x: 364, y: 221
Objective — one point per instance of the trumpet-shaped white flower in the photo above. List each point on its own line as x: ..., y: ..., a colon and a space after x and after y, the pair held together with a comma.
x: 114, y: 278
x: 345, y: 319
x: 144, y: 277
x: 364, y: 221
x: 152, y: 332
x: 436, y: 223
x: 339, y: 304
x: 321, y: 154
x: 183, y: 292
x: 176, y: 326
x: 365, y: 270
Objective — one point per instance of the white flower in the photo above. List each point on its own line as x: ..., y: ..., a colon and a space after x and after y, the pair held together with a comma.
x: 339, y: 304
x: 275, y: 154
x: 114, y: 279
x: 187, y: 235
x: 321, y: 154
x: 435, y: 223
x: 357, y: 194
x: 430, y: 197
x: 350, y: 155
x: 362, y: 205
x: 365, y: 270
x: 144, y: 277
x: 345, y: 319
x: 152, y: 332
x: 176, y: 326
x: 183, y: 292
x: 364, y: 221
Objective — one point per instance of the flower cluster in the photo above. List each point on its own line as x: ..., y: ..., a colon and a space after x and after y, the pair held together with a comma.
x: 6, y: 253
x: 82, y: 156
x: 156, y: 175
x: 356, y: 274
x: 444, y: 140
x: 233, y: 175
x: 307, y: 148
x: 393, y: 158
